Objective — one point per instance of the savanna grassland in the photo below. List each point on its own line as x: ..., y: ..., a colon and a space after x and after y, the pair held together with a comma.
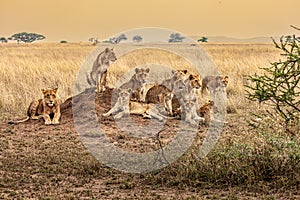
x: 49, y: 162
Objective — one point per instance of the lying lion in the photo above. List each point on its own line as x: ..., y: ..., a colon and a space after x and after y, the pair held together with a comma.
x: 124, y: 107
x: 48, y: 105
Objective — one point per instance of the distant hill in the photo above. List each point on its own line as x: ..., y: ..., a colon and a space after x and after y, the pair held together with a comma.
x: 222, y: 39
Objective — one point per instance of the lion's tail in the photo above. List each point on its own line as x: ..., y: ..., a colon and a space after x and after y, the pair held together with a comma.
x: 19, y: 121
x: 90, y: 79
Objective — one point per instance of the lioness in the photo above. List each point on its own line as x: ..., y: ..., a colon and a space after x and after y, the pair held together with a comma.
x: 136, y: 82
x: 99, y: 70
x: 48, y: 105
x: 214, y: 83
x: 123, y: 107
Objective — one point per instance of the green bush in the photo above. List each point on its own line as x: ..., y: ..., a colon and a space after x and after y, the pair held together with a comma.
x: 279, y: 86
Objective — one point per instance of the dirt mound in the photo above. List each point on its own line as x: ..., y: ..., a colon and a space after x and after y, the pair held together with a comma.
x: 135, y: 133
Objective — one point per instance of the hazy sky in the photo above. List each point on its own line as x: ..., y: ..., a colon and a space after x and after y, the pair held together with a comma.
x: 73, y: 20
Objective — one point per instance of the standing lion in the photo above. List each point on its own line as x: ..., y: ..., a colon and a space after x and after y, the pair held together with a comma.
x: 99, y: 70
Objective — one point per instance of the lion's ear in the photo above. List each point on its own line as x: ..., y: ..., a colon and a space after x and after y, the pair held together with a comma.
x: 137, y: 70
x: 43, y: 91
x: 185, y: 71
x: 129, y: 90
x: 191, y: 77
x: 55, y: 90
x: 107, y: 50
x: 112, y: 49
x: 147, y: 70
x: 173, y: 71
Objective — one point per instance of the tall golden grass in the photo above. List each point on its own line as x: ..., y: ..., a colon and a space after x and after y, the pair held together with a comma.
x: 27, y: 68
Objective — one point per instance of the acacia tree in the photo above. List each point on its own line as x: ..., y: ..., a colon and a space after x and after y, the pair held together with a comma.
x: 3, y: 39
x: 26, y: 37
x: 203, y: 39
x: 94, y: 40
x: 176, y: 37
x: 137, y: 38
x: 279, y: 86
x: 117, y: 40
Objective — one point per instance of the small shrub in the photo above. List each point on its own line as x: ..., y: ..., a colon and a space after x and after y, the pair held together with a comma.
x: 279, y: 86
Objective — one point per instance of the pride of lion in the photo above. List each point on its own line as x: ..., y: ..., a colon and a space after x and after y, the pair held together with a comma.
x: 178, y: 96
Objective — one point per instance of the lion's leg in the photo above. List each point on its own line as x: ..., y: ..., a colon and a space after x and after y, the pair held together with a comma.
x: 112, y: 111
x: 47, y: 119
x: 56, y: 117
x: 94, y: 77
x: 119, y: 115
x: 99, y: 82
x: 207, y: 118
x: 188, y: 118
x: 168, y: 105
x: 153, y: 113
x: 126, y: 110
x: 102, y: 81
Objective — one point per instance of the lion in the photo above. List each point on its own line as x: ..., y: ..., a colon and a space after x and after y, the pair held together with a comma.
x: 176, y: 75
x: 194, y: 82
x: 162, y: 95
x: 46, y: 107
x: 204, y: 111
x: 136, y: 83
x: 214, y: 83
x: 124, y: 107
x: 99, y: 70
x: 189, y: 110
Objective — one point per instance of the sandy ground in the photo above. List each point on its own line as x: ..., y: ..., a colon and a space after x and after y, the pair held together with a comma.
x: 39, y: 161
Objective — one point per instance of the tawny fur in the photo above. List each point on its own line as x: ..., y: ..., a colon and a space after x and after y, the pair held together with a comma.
x: 48, y: 105
x: 99, y: 71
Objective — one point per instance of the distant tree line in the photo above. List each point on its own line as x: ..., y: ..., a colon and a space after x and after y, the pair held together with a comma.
x: 23, y: 37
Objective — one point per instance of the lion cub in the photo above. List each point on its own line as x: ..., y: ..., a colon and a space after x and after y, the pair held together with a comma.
x: 189, y: 110
x: 136, y: 83
x: 214, y: 83
x: 123, y: 107
x: 204, y: 111
x: 48, y: 105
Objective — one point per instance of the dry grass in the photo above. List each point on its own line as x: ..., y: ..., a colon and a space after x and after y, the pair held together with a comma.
x: 26, y: 68
x: 262, y: 162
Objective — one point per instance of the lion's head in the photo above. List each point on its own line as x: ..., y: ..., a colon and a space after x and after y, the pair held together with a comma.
x: 142, y: 75
x: 50, y: 97
x: 223, y: 81
x: 180, y: 74
x: 109, y: 55
x: 124, y: 94
x: 194, y: 81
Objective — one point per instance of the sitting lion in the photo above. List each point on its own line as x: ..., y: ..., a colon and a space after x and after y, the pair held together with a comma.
x: 48, y: 106
x: 214, y: 83
x: 189, y: 110
x: 99, y: 70
x: 204, y: 111
x: 136, y: 82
